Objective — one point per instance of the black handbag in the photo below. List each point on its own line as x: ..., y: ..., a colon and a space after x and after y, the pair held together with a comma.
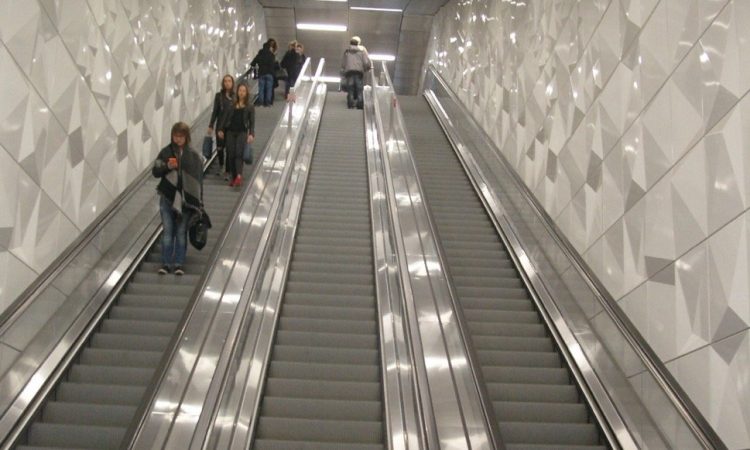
x: 198, y: 228
x: 281, y: 74
x: 247, y: 153
x: 208, y: 146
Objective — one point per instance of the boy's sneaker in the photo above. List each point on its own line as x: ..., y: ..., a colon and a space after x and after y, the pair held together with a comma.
x: 179, y: 270
x: 163, y: 270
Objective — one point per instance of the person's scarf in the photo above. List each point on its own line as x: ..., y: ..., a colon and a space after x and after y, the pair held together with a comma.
x: 187, y: 194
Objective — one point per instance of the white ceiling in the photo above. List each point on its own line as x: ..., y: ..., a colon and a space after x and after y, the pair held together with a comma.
x: 404, y: 35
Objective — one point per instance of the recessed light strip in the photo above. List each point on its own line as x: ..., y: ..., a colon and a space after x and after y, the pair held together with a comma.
x: 365, y: 8
x: 320, y: 27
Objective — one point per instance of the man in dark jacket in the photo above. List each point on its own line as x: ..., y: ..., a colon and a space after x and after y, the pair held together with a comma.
x: 354, y: 64
x: 266, y: 62
x: 180, y: 192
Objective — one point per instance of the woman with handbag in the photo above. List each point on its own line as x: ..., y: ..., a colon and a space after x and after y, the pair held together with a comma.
x: 238, y: 129
x: 223, y: 102
x: 180, y: 188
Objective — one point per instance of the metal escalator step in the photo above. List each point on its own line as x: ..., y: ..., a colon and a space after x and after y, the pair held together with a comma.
x: 322, y: 249
x: 496, y: 304
x: 129, y: 342
x: 472, y: 262
x: 156, y: 279
x: 83, y: 436
x: 323, y: 287
x: 550, y: 433
x: 312, y: 275
x: 553, y: 447
x: 336, y: 236
x: 274, y: 444
x: 123, y: 358
x: 127, y: 376
x: 343, y: 431
x: 489, y: 358
x: 329, y: 312
x: 100, y: 394
x: 306, y: 266
x: 325, y: 355
x: 500, y: 316
x: 152, y: 301
x: 301, y: 298
x: 331, y: 258
x: 491, y: 292
x: 344, y: 241
x: 364, y: 327
x: 176, y: 290
x: 322, y: 409
x: 84, y: 413
x: 336, y: 340
x: 526, y: 375
x: 323, y: 389
x: 507, y: 329
x: 533, y: 344
x: 142, y: 313
x: 193, y: 258
x: 539, y: 393
x: 324, y: 371
x: 137, y: 327
x: 314, y: 224
x: 541, y: 412
x: 511, y: 282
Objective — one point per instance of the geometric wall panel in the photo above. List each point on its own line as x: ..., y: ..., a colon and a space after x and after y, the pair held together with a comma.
x: 90, y: 89
x: 628, y: 121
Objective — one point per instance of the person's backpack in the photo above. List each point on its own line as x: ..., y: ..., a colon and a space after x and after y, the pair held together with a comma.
x: 198, y: 228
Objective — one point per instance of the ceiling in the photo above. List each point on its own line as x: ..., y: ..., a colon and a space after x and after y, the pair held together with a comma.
x: 402, y: 34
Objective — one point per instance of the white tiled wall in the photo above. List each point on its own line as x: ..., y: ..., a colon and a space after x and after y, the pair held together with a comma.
x: 630, y: 122
x: 89, y: 91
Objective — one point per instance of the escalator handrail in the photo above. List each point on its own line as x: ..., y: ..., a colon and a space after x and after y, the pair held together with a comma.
x: 251, y: 354
x: 690, y: 414
x: 483, y: 402
x: 406, y: 425
x: 137, y: 428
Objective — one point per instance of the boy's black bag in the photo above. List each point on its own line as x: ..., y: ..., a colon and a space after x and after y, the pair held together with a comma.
x: 208, y: 146
x: 198, y: 228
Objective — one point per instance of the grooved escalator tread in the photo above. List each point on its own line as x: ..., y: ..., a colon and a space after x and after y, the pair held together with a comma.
x: 536, y: 403
x: 323, y: 387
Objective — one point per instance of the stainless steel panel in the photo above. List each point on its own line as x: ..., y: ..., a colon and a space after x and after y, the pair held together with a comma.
x: 458, y: 414
x: 404, y: 421
x: 233, y: 425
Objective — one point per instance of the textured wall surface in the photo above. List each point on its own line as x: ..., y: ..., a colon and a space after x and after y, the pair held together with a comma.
x: 89, y: 91
x: 629, y: 121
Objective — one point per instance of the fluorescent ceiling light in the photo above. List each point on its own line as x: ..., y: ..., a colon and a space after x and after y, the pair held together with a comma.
x: 365, y: 8
x: 379, y: 57
x: 320, y: 27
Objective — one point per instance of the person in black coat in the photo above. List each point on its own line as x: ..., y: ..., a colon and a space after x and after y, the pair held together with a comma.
x: 266, y: 62
x: 223, y: 102
x: 238, y: 128
x: 180, y: 170
x: 288, y: 63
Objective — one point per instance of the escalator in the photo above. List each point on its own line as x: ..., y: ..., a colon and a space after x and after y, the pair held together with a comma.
x: 94, y: 404
x: 536, y: 404
x: 323, y: 389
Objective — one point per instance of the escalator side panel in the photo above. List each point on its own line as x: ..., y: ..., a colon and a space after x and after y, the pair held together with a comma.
x: 534, y: 400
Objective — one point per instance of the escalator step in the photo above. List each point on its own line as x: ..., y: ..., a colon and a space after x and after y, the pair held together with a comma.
x: 88, y: 414
x: 99, y: 394
x: 322, y: 409
x: 99, y: 374
x: 344, y: 431
x: 71, y: 436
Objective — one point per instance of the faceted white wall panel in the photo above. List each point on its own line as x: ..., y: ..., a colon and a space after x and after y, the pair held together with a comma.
x: 90, y: 89
x: 630, y: 122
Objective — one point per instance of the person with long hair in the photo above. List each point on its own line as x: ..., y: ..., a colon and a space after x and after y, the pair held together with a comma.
x: 265, y: 60
x: 238, y: 128
x: 180, y: 169
x: 223, y: 102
